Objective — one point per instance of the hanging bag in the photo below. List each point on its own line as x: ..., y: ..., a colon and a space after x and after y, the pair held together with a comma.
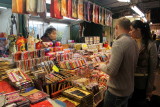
x: 64, y: 7
x: 80, y: 9
x: 31, y: 7
x: 41, y: 8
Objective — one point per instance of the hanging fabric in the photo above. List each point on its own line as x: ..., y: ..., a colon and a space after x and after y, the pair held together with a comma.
x: 97, y: 14
x: 90, y: 11
x: 103, y: 16
x: 110, y: 19
x: 19, y: 6
x: 55, y: 9
x: 106, y: 15
x: 94, y: 13
x: 41, y: 8
x: 80, y: 9
x: 74, y: 8
x: 85, y: 14
x: 64, y: 7
x: 100, y: 15
x: 69, y: 8
x: 31, y: 7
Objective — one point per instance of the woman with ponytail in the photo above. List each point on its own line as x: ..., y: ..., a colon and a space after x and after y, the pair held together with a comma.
x: 147, y: 61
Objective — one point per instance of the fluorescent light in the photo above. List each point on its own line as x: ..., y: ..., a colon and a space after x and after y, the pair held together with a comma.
x: 129, y: 16
x: 144, y: 19
x: 32, y: 22
x: 151, y: 23
x: 48, y: 1
x: 136, y: 9
x: 58, y: 24
x: 67, y: 18
x: 124, y: 0
x: 3, y: 7
x: 48, y: 14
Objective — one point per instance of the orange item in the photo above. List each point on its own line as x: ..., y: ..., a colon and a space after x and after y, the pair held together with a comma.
x: 42, y: 104
x: 19, y: 6
x: 21, y: 43
x: 5, y: 87
x: 80, y: 9
x: 64, y: 7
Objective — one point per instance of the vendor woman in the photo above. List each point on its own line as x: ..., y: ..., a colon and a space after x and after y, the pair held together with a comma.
x: 50, y: 35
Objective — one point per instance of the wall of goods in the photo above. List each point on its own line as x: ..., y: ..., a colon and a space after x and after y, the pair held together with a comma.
x: 57, y: 76
x: 76, y: 9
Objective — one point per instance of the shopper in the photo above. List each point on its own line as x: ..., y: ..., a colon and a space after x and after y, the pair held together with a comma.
x: 121, y: 67
x: 147, y: 61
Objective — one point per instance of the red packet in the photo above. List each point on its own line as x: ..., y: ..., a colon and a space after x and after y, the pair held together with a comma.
x: 13, y: 97
x: 7, y: 88
x: 42, y: 104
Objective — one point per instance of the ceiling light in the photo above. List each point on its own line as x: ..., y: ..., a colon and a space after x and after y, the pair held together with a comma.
x: 144, y: 19
x: 151, y: 23
x: 136, y: 9
x: 128, y: 16
x: 3, y: 7
x: 48, y: 1
x: 58, y: 24
x: 124, y: 0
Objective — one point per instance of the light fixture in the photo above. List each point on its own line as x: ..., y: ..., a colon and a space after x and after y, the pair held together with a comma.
x: 3, y: 7
x: 136, y: 9
x: 151, y: 23
x: 124, y: 1
x: 33, y: 22
x: 58, y: 24
x: 144, y: 19
x: 48, y: 1
x: 129, y: 16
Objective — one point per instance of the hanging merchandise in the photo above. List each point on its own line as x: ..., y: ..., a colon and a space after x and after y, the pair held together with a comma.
x: 80, y: 9
x: 100, y: 15
x: 94, y: 13
x: 110, y: 19
x: 85, y: 17
x: 64, y: 7
x: 41, y: 8
x: 38, y: 43
x: 12, y: 43
x: 74, y: 8
x: 31, y: 7
x: 106, y: 15
x: 97, y: 14
x: 103, y: 16
x: 55, y: 9
x: 21, y: 43
x: 90, y: 11
x: 19, y: 6
x: 69, y: 8
x: 31, y: 43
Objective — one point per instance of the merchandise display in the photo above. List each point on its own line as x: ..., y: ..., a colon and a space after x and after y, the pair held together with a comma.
x: 34, y: 73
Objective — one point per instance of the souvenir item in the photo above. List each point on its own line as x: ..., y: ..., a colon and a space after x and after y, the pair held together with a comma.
x: 97, y: 13
x: 12, y: 43
x: 94, y: 13
x: 69, y: 8
x: 58, y: 103
x: 103, y: 16
x: 19, y: 6
x: 41, y: 8
x: 100, y: 15
x: 55, y: 9
x: 80, y: 9
x: 85, y: 17
x: 21, y: 43
x: 69, y: 102
x: 64, y: 7
x: 35, y: 96
x: 7, y: 88
x: 74, y: 8
x: 13, y: 97
x: 31, y: 7
x: 31, y: 43
x: 90, y: 11
x: 38, y: 43
x: 43, y: 104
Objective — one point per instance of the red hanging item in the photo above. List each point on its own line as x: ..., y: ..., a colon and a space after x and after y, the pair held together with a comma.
x: 74, y: 8
x: 80, y: 9
x: 85, y: 17
x: 69, y: 8
x: 64, y: 7
x: 55, y: 9
x: 97, y: 14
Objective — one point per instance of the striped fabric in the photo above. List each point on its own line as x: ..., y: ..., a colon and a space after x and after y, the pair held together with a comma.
x: 122, y: 66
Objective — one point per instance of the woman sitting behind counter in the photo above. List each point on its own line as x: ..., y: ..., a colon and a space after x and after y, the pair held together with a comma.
x: 50, y: 35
